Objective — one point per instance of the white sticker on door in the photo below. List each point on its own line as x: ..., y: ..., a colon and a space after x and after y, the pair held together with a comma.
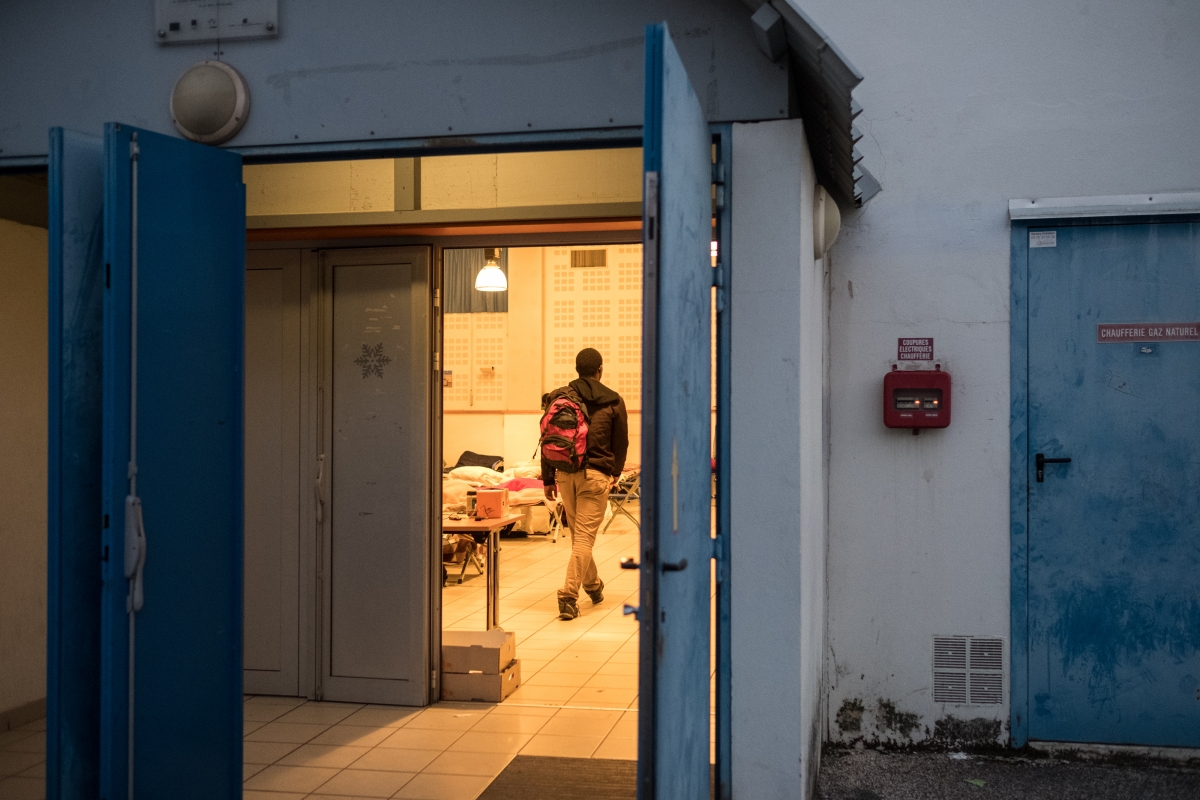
x: 1043, y: 238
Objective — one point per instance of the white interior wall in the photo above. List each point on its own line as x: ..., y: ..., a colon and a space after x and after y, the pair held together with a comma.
x: 967, y: 106
x: 23, y: 396
x: 777, y: 464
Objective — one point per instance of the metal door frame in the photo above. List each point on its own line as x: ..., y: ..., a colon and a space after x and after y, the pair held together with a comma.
x: 1019, y: 461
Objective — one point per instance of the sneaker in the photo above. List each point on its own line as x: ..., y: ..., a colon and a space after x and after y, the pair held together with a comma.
x: 568, y: 608
x: 597, y: 594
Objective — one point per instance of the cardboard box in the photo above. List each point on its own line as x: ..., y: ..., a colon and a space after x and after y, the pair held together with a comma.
x: 479, y: 687
x: 486, y: 652
x: 491, y: 503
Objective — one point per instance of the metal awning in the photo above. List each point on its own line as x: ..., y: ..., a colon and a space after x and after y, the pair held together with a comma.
x: 824, y: 81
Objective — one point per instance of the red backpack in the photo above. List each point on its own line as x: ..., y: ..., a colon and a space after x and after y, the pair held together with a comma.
x: 564, y: 432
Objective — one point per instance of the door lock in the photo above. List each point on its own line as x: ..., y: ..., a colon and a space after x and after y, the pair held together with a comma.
x: 1040, y: 461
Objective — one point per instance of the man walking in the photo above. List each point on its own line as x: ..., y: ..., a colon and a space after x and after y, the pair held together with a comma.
x: 584, y: 492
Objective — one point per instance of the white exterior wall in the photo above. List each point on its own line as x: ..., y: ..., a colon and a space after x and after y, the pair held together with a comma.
x: 966, y: 106
x: 777, y: 544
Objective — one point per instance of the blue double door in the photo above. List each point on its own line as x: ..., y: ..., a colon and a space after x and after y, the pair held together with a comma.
x: 1114, y: 533
x: 145, y: 520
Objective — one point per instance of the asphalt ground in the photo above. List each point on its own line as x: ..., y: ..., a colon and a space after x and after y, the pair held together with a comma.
x: 850, y: 774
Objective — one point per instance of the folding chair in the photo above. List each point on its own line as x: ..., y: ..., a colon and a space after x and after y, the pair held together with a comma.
x: 555, y: 509
x: 629, y: 489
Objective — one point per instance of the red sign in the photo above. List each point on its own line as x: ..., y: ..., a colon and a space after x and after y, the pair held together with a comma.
x: 914, y: 350
x: 1116, y: 332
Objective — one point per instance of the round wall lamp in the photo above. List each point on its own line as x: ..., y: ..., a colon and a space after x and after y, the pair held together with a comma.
x: 827, y: 222
x: 210, y: 102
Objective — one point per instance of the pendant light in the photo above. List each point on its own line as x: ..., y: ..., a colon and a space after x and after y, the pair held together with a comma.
x: 491, y: 278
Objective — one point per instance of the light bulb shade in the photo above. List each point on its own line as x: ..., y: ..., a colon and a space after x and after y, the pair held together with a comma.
x: 491, y: 279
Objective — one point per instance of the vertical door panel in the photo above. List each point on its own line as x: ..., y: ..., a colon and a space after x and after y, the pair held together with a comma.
x: 76, y: 326
x: 273, y: 485
x: 1114, y: 535
x: 676, y: 449
x: 171, y: 716
x: 378, y: 533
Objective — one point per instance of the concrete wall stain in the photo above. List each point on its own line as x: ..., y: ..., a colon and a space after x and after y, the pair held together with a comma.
x: 892, y: 719
x: 849, y: 716
x: 952, y: 731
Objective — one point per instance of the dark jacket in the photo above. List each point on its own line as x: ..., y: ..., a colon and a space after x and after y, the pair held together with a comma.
x: 608, y: 428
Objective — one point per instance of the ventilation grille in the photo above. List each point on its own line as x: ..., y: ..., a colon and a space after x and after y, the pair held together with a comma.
x: 968, y: 670
x: 589, y: 258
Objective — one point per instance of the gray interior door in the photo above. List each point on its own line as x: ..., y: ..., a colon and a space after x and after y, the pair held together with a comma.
x: 272, y: 453
x: 375, y: 570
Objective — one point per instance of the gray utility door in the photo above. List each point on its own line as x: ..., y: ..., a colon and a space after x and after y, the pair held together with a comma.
x: 375, y: 549
x: 673, y: 687
x: 1114, y: 535
x: 272, y: 468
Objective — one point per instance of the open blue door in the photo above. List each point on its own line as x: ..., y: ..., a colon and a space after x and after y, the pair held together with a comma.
x: 171, y: 633
x: 673, y: 694
x: 73, y: 490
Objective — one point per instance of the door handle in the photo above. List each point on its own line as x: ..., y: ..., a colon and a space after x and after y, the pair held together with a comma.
x: 1040, y: 461
x: 680, y: 566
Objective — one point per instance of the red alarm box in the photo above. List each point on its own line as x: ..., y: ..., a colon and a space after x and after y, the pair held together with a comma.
x: 917, y: 398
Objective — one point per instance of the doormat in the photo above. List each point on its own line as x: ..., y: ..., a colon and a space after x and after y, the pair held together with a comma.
x: 545, y: 778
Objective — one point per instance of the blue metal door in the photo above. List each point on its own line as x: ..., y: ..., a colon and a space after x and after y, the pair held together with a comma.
x: 1114, y: 533
x: 171, y: 626
x: 673, y: 740
x: 73, y: 515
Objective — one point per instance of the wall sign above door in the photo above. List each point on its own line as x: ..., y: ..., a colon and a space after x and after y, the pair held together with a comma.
x: 1116, y: 332
x: 914, y: 349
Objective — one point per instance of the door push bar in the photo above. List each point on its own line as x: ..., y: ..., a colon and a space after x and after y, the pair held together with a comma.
x: 1040, y: 461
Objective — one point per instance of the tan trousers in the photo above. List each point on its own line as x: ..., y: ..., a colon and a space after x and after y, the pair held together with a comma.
x: 584, y: 497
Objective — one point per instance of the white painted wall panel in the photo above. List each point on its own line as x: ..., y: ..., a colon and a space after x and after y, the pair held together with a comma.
x: 778, y: 488
x: 966, y: 106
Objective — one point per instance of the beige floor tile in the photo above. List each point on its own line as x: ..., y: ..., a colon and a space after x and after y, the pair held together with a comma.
x: 365, y: 783
x: 575, y: 679
x: 573, y: 666
x: 319, y: 713
x: 612, y: 682
x: 543, y: 694
x: 249, y: 726
x: 614, y: 668
x: 36, y: 771
x: 250, y: 770
x: 395, y: 759
x: 34, y: 743
x: 23, y: 788
x: 444, y: 787
x: 357, y: 735
x: 265, y: 752
x: 12, y: 762
x: 381, y: 717
x: 467, y: 763
x: 250, y: 794
x: 323, y: 755
x: 488, y: 742
x: 510, y: 723
x: 626, y: 727
x: 421, y: 739
x: 625, y: 749
x: 508, y: 707
x: 621, y: 657
x: 36, y: 725
x: 438, y: 719
x: 8, y: 737
x: 263, y: 712
x: 267, y: 699
x: 582, y: 722
x: 290, y: 779
x: 562, y: 746
x: 604, y: 698
x: 296, y: 733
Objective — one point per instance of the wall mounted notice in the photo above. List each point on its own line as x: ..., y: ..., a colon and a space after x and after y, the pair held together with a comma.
x: 914, y: 349
x: 1043, y: 238
x: 1114, y: 333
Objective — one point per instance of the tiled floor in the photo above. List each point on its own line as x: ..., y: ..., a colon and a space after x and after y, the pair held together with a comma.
x: 578, y: 699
